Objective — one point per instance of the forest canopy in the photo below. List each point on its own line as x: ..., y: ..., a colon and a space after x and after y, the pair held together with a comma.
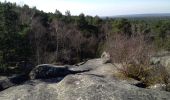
x: 31, y: 36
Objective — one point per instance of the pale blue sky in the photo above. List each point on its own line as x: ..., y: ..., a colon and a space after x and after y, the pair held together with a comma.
x: 100, y: 7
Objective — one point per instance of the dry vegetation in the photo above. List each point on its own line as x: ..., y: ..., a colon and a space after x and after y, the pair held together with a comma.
x: 134, y: 53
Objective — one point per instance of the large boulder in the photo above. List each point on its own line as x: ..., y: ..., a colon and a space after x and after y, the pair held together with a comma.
x: 45, y: 71
x: 48, y: 71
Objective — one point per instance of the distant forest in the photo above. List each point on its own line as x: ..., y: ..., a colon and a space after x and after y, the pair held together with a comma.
x: 31, y: 36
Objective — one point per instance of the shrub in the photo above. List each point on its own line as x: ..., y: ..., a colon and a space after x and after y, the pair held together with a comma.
x: 133, y: 52
x: 157, y: 74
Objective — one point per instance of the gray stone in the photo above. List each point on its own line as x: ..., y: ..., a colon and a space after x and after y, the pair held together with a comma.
x: 81, y: 87
x: 155, y: 60
x: 10, y: 81
x: 48, y: 71
x: 161, y: 87
x: 105, y: 57
x: 45, y: 71
x: 163, y: 60
x: 5, y: 83
x: 98, y: 83
x: 34, y: 91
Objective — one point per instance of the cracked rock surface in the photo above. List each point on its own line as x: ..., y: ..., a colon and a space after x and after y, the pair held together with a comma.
x: 98, y: 83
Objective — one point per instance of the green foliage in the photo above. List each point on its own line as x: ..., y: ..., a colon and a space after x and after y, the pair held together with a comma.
x: 122, y: 26
x: 167, y: 45
x: 11, y: 37
x: 58, y: 14
x: 162, y: 30
x: 30, y: 35
x: 81, y: 22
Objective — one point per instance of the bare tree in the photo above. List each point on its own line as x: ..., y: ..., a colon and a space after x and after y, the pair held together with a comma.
x: 36, y: 36
x: 68, y: 41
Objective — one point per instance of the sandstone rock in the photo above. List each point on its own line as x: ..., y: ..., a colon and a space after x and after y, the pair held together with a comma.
x: 98, y: 83
x: 81, y: 87
x: 12, y: 81
x: 30, y: 91
x: 161, y: 87
x: 155, y: 60
x: 163, y: 60
x: 45, y: 71
x: 5, y: 83
x: 48, y: 71
x: 89, y: 65
x: 105, y: 57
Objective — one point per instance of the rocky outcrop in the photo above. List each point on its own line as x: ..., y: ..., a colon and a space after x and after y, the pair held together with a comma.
x: 95, y: 81
x: 46, y: 71
x: 106, y: 57
x: 99, y: 88
x: 81, y: 87
x: 163, y: 59
x: 10, y: 81
x: 5, y: 83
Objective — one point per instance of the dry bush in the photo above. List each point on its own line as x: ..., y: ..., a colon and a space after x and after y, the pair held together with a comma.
x: 156, y: 75
x: 132, y: 52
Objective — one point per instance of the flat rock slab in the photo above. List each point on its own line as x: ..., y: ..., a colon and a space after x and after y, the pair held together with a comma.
x: 81, y: 87
x: 91, y: 81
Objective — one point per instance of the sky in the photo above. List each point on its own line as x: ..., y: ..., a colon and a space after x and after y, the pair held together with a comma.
x: 99, y: 7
